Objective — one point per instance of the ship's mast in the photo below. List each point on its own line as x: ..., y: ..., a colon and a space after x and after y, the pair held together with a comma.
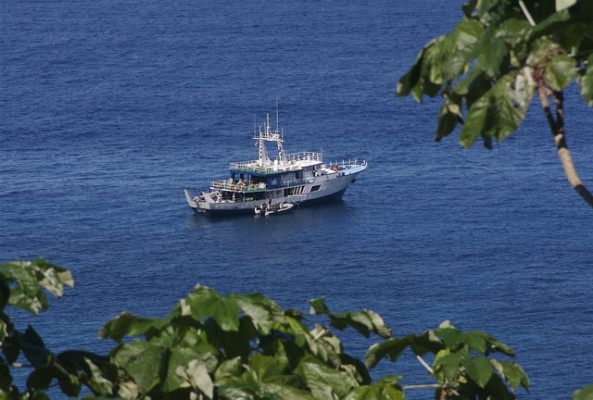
x: 268, y: 135
x: 279, y: 138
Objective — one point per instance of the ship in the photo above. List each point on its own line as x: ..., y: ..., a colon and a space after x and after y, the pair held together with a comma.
x: 278, y: 182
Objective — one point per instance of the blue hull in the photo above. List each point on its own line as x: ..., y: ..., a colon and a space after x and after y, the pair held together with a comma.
x: 335, y: 197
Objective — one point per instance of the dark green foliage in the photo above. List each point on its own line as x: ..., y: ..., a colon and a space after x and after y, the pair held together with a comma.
x: 214, y: 346
x: 488, y: 67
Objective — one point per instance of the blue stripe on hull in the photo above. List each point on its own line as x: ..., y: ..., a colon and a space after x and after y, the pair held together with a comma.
x: 224, y: 213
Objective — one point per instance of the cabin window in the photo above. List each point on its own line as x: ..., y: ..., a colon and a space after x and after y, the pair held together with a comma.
x: 315, y: 188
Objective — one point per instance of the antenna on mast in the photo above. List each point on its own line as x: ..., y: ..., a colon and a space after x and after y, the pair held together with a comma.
x: 277, y: 116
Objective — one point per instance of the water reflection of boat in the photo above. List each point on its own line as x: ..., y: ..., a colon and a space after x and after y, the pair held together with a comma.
x: 288, y: 179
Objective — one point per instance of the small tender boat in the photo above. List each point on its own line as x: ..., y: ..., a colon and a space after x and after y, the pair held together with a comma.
x: 275, y: 208
x: 279, y: 208
x: 253, y: 186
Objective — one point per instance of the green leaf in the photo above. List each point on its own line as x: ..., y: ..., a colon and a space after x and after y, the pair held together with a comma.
x: 468, y: 8
x: 281, y: 392
x: 513, y: 31
x: 323, y: 381
x: 504, y: 117
x: 451, y: 336
x: 228, y: 369
x: 425, y: 76
x: 249, y: 390
x: 142, y: 361
x: 53, y: 278
x: 479, y: 370
x: 458, y: 48
x: 512, y: 373
x: 365, y: 322
x: 385, y: 389
x: 449, y: 117
x: 432, y: 69
x: 237, y: 390
x: 448, y: 364
x: 318, y: 307
x: 491, y: 56
x: 97, y: 382
x: 40, y: 378
x: 585, y: 393
x: 4, y: 295
x: 358, y: 320
x: 560, y: 71
x: 475, y: 340
x: 379, y: 326
x: 200, y: 349
x: 5, y: 378
x: 22, y: 273
x: 27, y: 278
x: 33, y: 348
x: 296, y: 327
x: 11, y: 348
x: 38, y: 396
x: 494, y: 115
x: 3, y: 332
x: 259, y: 309
x: 177, y: 369
x: 392, y: 348
x: 472, y: 87
x: 475, y: 122
x: 77, y: 361
x: 196, y: 374
x: 204, y: 303
x: 266, y: 366
x: 127, y: 390
x: 497, y: 346
x: 126, y: 324
x: 26, y: 294
x: 69, y: 384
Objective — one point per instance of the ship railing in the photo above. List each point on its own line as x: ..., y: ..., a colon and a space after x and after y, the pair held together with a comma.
x: 253, y: 165
x: 238, y: 186
x: 347, y: 163
x: 259, y: 170
x: 245, y: 165
x: 305, y: 155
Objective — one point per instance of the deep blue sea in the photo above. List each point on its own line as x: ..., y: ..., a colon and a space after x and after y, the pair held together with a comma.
x: 109, y: 108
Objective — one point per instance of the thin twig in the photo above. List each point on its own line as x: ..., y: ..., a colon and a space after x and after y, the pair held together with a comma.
x: 424, y: 364
x: 526, y: 13
x: 425, y: 386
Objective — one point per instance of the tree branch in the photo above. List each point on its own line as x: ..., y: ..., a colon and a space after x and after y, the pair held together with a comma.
x: 557, y: 127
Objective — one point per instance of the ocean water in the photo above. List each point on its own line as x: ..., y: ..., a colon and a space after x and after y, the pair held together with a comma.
x: 109, y: 109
